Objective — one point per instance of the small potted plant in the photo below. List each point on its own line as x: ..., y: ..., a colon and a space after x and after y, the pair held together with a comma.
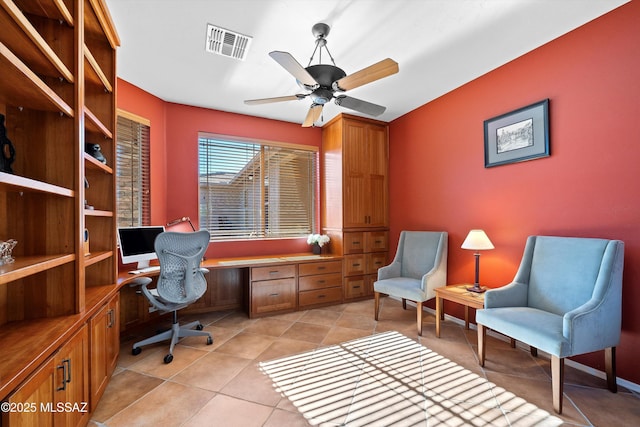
x: 317, y: 241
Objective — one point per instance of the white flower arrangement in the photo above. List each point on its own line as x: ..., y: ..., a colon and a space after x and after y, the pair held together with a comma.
x: 318, y: 239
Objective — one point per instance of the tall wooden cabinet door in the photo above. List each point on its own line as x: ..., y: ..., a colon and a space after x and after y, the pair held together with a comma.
x: 28, y: 398
x: 377, y: 186
x: 356, y: 175
x: 72, y: 382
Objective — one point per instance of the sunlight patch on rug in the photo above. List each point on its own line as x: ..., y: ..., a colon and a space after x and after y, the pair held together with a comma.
x: 388, y: 379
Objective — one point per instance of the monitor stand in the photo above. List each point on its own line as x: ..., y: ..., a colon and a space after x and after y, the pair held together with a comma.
x: 142, y: 264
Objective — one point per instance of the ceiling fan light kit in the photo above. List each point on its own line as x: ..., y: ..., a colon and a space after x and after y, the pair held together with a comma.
x: 324, y: 80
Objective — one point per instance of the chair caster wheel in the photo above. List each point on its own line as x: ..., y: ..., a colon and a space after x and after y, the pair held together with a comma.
x: 199, y: 327
x: 136, y: 351
x: 168, y: 358
x: 209, y: 340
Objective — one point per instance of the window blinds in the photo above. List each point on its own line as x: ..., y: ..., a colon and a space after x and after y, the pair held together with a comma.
x: 256, y: 190
x: 132, y: 173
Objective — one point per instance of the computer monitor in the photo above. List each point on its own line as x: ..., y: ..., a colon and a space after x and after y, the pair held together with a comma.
x: 137, y: 244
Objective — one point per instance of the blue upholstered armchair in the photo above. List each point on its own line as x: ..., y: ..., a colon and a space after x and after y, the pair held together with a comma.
x: 565, y: 300
x: 420, y: 266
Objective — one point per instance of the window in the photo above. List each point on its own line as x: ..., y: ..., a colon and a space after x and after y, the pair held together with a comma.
x: 255, y: 190
x: 132, y: 171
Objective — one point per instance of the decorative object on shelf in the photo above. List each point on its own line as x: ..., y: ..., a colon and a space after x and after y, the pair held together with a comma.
x: 317, y: 241
x: 94, y: 151
x: 7, y: 150
x: 85, y: 243
x: 6, y: 248
x: 477, y: 240
x: 181, y: 220
x: 517, y: 136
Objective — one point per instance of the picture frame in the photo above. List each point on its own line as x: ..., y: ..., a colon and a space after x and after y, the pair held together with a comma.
x: 517, y: 136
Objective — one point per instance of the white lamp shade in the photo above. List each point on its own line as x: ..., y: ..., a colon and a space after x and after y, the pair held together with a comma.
x: 477, y: 240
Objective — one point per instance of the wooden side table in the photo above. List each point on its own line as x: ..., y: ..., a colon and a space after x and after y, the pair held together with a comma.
x: 459, y: 294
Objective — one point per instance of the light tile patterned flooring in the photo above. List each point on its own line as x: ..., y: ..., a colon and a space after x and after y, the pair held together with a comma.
x: 222, y: 385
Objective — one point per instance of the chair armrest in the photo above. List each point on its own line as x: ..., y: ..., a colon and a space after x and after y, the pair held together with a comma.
x: 593, y: 326
x: 435, y: 278
x: 512, y: 295
x: 153, y: 300
x: 389, y: 271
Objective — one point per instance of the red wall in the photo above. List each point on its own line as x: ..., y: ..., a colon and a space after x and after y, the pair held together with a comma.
x: 590, y: 186
x: 136, y: 101
x: 183, y: 124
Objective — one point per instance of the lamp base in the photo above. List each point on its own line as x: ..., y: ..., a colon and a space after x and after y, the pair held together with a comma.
x: 476, y: 288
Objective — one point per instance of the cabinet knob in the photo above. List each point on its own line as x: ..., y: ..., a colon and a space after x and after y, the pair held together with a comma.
x: 274, y: 295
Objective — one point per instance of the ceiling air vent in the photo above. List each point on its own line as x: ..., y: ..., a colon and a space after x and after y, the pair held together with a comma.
x: 227, y: 43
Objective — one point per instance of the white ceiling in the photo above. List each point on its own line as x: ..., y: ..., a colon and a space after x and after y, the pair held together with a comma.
x: 438, y: 44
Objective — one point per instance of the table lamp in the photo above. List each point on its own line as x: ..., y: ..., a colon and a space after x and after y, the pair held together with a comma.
x: 180, y: 221
x: 477, y: 240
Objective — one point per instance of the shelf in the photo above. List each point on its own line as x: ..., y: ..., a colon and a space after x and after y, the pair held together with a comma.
x: 20, y: 36
x: 98, y: 23
x: 52, y: 9
x: 21, y: 87
x: 95, y: 257
x: 18, y: 183
x: 93, y: 164
x: 93, y: 72
x: 94, y: 124
x: 29, y: 265
x: 97, y: 213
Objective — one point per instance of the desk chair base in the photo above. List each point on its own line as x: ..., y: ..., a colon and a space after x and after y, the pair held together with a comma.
x: 174, y: 334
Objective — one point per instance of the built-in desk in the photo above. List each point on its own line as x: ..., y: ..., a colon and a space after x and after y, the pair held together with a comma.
x: 261, y: 285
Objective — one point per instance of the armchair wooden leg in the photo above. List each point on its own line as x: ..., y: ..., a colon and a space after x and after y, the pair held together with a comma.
x: 557, y: 382
x: 377, y: 305
x: 419, y: 314
x: 404, y: 303
x: 482, y: 334
x: 610, y: 368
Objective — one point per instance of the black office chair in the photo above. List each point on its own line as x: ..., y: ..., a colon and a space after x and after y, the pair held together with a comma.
x: 181, y: 282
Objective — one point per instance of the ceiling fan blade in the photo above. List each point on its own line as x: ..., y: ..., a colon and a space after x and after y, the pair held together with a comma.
x: 374, y: 72
x: 360, y: 105
x: 312, y: 115
x: 290, y: 64
x: 296, y: 97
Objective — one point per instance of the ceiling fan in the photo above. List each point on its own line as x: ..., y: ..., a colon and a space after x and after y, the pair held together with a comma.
x: 324, y: 80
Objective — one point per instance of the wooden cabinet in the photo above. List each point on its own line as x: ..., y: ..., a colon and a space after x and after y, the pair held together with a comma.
x: 355, y: 173
x: 365, y: 252
x: 272, y: 289
x: 355, y: 198
x: 104, y: 348
x: 57, y: 92
x: 57, y: 393
x: 319, y: 283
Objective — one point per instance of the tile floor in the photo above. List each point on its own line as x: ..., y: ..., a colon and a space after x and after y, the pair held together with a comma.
x: 221, y: 384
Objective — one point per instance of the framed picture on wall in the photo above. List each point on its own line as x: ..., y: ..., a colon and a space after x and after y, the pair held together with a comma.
x: 519, y: 135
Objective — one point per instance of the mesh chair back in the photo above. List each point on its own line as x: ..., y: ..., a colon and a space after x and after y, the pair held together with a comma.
x: 181, y: 281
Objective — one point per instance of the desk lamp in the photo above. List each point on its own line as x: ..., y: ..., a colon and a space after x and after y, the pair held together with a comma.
x: 477, y: 240
x: 180, y: 221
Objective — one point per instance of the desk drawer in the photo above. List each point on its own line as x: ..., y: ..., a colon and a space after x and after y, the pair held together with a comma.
x: 320, y: 268
x: 273, y: 295
x: 319, y: 281
x: 355, y: 264
x: 320, y: 296
x: 375, y: 261
x: 355, y: 287
x: 273, y: 272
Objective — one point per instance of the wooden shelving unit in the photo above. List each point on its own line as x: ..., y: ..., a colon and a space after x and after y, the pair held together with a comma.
x: 57, y: 93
